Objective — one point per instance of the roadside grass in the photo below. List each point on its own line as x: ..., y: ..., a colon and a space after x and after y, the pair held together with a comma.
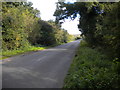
x: 92, y: 69
x: 10, y: 53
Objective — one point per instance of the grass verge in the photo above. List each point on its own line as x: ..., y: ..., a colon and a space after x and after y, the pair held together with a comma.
x: 92, y: 69
x: 10, y: 53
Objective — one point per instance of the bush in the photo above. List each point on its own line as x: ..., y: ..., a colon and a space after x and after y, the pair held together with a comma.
x: 91, y: 69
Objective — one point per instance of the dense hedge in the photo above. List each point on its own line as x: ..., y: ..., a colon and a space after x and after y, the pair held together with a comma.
x: 22, y: 27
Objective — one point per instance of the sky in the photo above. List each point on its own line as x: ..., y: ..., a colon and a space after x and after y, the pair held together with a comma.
x: 47, y: 9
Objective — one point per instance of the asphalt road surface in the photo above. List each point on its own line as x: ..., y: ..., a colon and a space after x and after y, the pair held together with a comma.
x: 41, y: 69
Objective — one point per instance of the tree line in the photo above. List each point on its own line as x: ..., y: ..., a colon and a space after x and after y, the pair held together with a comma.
x: 22, y: 27
x: 97, y: 61
x: 99, y: 23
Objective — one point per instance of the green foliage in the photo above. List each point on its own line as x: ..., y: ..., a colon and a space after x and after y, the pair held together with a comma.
x: 53, y: 34
x: 111, y: 31
x: 9, y: 53
x: 78, y: 38
x: 99, y: 23
x: 91, y: 69
x: 17, y: 23
x: 22, y: 29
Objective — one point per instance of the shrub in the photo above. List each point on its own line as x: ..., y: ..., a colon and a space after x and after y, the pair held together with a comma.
x: 91, y: 69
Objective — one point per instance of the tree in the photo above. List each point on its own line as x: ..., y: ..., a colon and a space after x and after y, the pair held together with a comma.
x: 99, y: 23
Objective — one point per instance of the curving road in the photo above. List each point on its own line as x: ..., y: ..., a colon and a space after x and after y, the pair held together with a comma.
x: 41, y: 69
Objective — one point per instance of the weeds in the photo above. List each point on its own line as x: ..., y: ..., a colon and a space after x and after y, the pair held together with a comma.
x: 92, y: 69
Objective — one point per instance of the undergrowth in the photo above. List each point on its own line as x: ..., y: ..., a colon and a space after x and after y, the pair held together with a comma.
x: 92, y: 69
